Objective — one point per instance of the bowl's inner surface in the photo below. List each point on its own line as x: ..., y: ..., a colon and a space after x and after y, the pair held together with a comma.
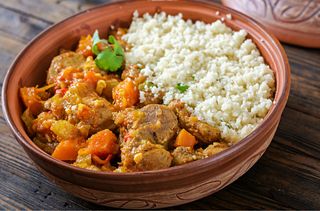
x: 31, y: 66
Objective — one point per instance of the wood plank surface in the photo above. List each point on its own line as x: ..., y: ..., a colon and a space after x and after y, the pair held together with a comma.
x: 286, y: 177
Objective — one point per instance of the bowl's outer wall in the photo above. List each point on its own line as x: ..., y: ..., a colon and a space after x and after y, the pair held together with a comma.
x: 29, y: 70
x: 164, y: 197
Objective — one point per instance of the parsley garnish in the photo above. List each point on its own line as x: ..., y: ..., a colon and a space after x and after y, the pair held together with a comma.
x: 95, y: 41
x: 150, y: 84
x: 142, y: 86
x: 111, y: 58
x: 228, y: 125
x: 182, y: 87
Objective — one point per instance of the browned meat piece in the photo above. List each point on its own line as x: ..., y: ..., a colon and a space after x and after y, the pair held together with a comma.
x: 55, y: 105
x: 160, y: 121
x: 204, y: 132
x: 145, y: 135
x: 43, y: 144
x: 83, y: 106
x: 125, y: 118
x: 153, y: 159
x: 62, y: 61
x: 182, y: 155
x: 153, y: 122
x: 214, y: 149
x: 141, y: 155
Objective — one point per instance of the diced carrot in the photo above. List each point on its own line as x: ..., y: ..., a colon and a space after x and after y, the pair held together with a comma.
x: 103, y: 143
x: 66, y: 150
x: 31, y: 99
x: 185, y: 139
x: 91, y: 78
x: 84, y: 46
x: 125, y: 94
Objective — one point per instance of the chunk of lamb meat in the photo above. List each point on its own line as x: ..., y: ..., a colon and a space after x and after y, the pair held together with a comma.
x: 62, y: 61
x: 145, y: 135
x: 160, y: 121
x: 182, y: 155
x: 86, y: 109
x: 153, y: 122
x: 204, y: 132
x: 215, y: 148
x: 142, y: 155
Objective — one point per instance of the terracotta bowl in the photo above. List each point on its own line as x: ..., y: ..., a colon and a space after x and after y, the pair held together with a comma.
x: 152, y: 189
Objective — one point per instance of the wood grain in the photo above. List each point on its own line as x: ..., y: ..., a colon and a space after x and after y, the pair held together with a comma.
x: 286, y: 177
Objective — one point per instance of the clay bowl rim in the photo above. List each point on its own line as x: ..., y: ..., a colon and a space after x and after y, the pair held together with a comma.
x: 189, y: 167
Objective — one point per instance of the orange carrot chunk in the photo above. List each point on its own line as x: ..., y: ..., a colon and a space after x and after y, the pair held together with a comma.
x: 103, y: 143
x: 185, y: 139
x: 31, y: 99
x: 66, y: 150
x: 34, y: 97
x: 125, y: 94
x: 91, y: 78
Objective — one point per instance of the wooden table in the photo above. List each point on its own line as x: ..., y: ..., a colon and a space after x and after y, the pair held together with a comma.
x: 286, y: 177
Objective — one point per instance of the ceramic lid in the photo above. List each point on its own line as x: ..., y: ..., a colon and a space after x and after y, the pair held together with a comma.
x: 292, y: 21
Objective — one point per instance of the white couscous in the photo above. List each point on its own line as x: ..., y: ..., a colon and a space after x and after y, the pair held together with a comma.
x: 227, y: 83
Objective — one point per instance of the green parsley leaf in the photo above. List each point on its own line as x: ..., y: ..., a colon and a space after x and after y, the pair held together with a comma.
x: 228, y: 125
x: 95, y: 41
x: 182, y: 87
x: 150, y: 84
x: 143, y: 86
x: 111, y: 58
x: 117, y: 47
x: 108, y: 60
